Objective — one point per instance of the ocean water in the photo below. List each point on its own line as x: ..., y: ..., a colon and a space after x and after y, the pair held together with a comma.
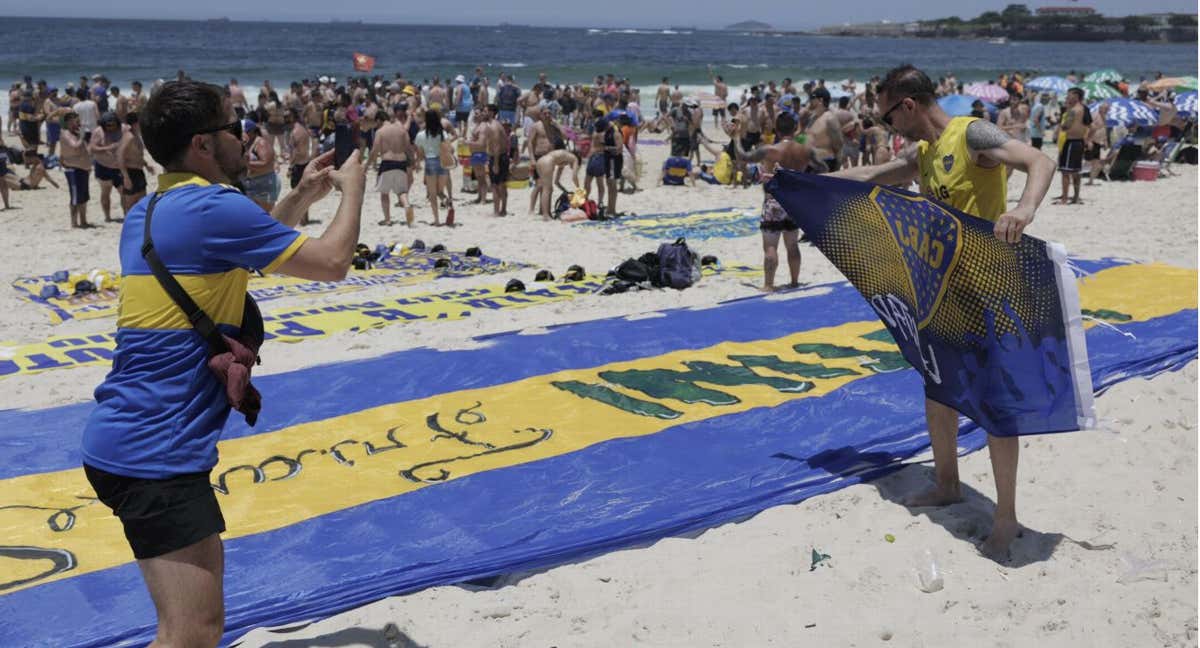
x: 125, y: 50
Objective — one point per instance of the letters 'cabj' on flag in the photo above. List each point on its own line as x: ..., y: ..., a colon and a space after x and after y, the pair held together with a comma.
x: 363, y: 62
x: 994, y: 328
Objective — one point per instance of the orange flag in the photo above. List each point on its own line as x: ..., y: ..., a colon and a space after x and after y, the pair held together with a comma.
x: 363, y: 63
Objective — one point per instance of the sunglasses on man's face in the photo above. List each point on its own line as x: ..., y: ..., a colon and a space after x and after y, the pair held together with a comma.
x: 234, y: 127
x: 887, y: 116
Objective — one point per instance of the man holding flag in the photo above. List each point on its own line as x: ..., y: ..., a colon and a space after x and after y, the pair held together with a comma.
x: 961, y: 162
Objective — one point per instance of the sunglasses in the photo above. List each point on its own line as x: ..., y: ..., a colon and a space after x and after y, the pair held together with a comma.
x: 234, y: 127
x: 887, y: 116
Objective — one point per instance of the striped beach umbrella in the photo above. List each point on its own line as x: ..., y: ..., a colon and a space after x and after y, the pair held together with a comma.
x: 987, y: 92
x: 1186, y: 103
x: 1100, y: 76
x: 1093, y: 91
x: 1127, y: 112
x: 1173, y: 83
x: 1055, y: 84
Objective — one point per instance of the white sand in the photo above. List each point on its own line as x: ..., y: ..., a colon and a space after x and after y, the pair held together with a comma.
x: 748, y: 584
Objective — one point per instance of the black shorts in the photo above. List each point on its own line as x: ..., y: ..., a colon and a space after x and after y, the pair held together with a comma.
x: 751, y: 140
x: 295, y: 173
x: 1070, y: 158
x: 461, y: 117
x: 160, y: 515
x: 138, y: 178
x: 718, y: 112
x: 107, y: 174
x: 31, y: 132
x: 613, y: 164
x: 681, y: 146
x: 1092, y: 152
x: 1036, y: 142
x: 498, y: 172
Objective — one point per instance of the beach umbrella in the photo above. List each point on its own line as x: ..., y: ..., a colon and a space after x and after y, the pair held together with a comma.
x: 1100, y: 76
x: 1186, y: 103
x: 987, y: 92
x: 1127, y: 112
x: 1092, y: 90
x: 960, y: 105
x: 1057, y: 85
x: 1173, y: 83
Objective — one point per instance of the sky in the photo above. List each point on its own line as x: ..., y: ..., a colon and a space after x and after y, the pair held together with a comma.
x: 609, y: 13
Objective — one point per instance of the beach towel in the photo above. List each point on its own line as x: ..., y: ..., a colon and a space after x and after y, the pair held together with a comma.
x: 994, y: 329
x: 726, y: 222
x: 521, y: 453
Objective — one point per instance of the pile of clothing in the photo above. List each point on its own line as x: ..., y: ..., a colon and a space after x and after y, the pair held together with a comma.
x: 674, y: 265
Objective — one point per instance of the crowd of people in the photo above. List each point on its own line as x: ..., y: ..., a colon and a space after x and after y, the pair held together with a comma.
x: 503, y: 135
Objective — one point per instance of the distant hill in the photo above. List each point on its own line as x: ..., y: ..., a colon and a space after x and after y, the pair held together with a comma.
x: 750, y: 25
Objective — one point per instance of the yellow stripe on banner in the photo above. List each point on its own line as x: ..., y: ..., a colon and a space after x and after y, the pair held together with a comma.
x: 299, y: 324
x: 272, y: 480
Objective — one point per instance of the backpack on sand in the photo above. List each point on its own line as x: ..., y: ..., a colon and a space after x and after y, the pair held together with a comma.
x: 678, y: 267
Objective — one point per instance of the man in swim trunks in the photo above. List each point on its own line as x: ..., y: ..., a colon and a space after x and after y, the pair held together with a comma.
x: 76, y: 164
x: 131, y: 154
x: 662, y: 97
x: 477, y: 142
x: 261, y: 183
x: 391, y: 150
x: 1075, y: 122
x: 54, y: 107
x: 722, y: 92
x: 851, y: 130
x: 824, y: 130
x: 785, y: 153
x: 30, y: 116
x: 496, y: 137
x: 103, y: 146
x: 300, y: 144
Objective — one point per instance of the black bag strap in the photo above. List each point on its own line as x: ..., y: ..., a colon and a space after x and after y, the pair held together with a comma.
x: 196, y: 316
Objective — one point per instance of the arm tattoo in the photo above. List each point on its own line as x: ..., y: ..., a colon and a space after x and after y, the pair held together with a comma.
x: 983, y: 135
x: 757, y: 155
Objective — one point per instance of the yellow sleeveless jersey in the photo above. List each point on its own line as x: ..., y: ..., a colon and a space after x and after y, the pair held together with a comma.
x: 949, y: 175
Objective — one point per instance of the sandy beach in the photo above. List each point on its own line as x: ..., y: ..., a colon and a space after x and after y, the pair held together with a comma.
x: 1096, y: 505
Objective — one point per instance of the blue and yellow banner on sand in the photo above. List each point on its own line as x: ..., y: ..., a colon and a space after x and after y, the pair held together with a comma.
x: 404, y: 268
x: 379, y: 477
x: 696, y: 225
x: 982, y: 319
x: 300, y: 324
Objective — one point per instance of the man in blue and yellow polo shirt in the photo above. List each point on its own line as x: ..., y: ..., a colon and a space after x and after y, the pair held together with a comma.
x: 960, y: 161
x: 152, y: 439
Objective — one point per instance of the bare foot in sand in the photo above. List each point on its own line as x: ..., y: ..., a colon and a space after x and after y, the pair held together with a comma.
x: 998, y: 542
x: 766, y: 289
x: 936, y: 496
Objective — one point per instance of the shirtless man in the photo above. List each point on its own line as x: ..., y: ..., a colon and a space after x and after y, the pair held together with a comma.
x: 131, y: 155
x: 137, y: 100
x: 237, y: 97
x: 54, y: 108
x: 120, y: 103
x: 367, y: 123
x: 312, y: 112
x: 1097, y: 141
x: 391, y: 149
x: 103, y: 147
x: 76, y: 163
x: 1070, y: 157
x: 37, y: 172
x: 722, y: 92
x: 540, y: 142
x: 662, y: 97
x: 850, y: 127
x: 437, y: 96
x: 300, y: 143
x: 498, y: 161
x: 550, y: 168
x: 477, y: 142
x: 261, y: 183
x: 784, y: 154
x: 824, y: 131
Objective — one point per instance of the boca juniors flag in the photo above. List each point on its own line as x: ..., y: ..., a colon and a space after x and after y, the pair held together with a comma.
x: 363, y: 62
x: 994, y: 328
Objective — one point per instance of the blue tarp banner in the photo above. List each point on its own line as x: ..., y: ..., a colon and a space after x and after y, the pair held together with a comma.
x: 418, y: 468
x: 725, y: 222
x: 995, y: 328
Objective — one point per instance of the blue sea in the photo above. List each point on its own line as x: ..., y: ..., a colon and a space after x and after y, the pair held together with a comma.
x: 125, y: 50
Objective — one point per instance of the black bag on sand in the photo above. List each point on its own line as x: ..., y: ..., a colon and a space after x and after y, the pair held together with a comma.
x: 679, y: 267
